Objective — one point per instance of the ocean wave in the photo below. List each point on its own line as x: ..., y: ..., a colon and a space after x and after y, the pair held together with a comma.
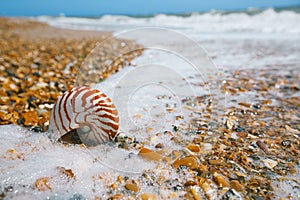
x: 267, y: 21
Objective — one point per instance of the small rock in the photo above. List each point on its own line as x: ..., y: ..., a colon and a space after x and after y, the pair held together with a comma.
x: 68, y: 172
x: 188, y: 161
x: 196, y: 193
x: 269, y: 163
x: 159, y: 146
x: 132, y: 186
x: 193, y: 148
x: 231, y: 194
x: 115, y: 197
x: 220, y: 181
x: 216, y: 162
x: 242, y: 134
x: 148, y: 196
x: 31, y: 118
x: 247, y: 105
x: 262, y: 145
x: 236, y: 185
x: 190, y: 183
x: 42, y: 184
x: 150, y: 155
x: 207, y: 147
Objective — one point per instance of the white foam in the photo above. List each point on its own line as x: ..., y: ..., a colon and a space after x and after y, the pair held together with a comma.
x: 26, y: 156
x: 268, y: 21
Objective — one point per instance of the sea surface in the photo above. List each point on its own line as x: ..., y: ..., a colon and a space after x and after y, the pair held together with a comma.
x: 182, y: 53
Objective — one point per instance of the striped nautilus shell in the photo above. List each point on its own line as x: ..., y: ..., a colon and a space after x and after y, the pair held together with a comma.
x: 84, y: 115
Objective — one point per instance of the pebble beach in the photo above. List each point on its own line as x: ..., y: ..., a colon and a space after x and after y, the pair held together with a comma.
x: 39, y: 63
x: 246, y: 148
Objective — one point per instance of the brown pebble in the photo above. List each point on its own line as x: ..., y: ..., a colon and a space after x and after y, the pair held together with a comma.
x: 190, y: 183
x: 30, y: 118
x: 248, y: 105
x: 148, y: 196
x: 13, y: 154
x: 114, y: 185
x: 203, y: 170
x: 267, y: 101
x: 262, y: 145
x: 132, y: 186
x: 216, y: 162
x: 188, y: 161
x: 242, y: 134
x: 116, y: 197
x: 236, y: 185
x: 149, y: 155
x: 176, y: 153
x: 220, y: 180
x: 193, y: 148
x: 195, y: 193
x: 68, y: 172
x: 2, y: 117
x: 42, y: 184
x: 159, y: 146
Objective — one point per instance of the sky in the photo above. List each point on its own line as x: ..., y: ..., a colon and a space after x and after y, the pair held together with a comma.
x: 129, y: 7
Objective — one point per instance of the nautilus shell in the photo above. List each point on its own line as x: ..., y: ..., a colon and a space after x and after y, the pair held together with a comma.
x: 84, y: 115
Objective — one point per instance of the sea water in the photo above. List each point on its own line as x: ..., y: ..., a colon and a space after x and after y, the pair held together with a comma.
x: 181, y: 54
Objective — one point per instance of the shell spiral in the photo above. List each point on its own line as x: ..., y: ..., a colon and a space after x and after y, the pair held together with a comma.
x: 88, y: 113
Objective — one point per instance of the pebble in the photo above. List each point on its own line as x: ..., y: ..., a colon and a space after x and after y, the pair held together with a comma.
x: 148, y: 196
x: 67, y: 172
x: 31, y: 118
x: 269, y: 163
x: 188, y: 161
x: 150, y: 155
x: 132, y: 186
x: 231, y: 194
x: 193, y: 148
x: 236, y: 185
x: 217, y: 162
x: 220, y: 180
x: 42, y: 184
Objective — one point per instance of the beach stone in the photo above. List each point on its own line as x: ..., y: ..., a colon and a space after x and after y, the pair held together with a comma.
x: 67, y: 172
x: 42, y: 184
x: 12, y: 154
x: 217, y: 162
x: 193, y: 148
x: 220, y: 180
x: 262, y: 145
x: 242, y: 134
x: 231, y: 194
x: 190, y: 183
x: 188, y: 161
x: 132, y: 186
x: 195, y: 192
x: 148, y: 196
x: 150, y: 155
x: 3, y: 116
x: 206, y: 186
x: 31, y: 118
x: 235, y: 184
x: 269, y: 163
x: 116, y: 197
